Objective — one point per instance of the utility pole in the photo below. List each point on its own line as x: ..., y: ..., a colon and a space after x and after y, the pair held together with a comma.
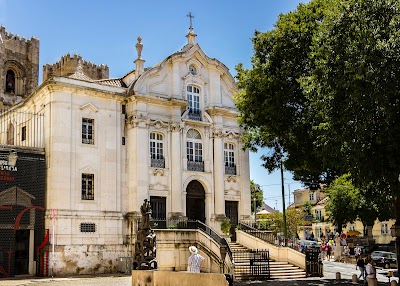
x: 283, y: 206
x: 255, y: 211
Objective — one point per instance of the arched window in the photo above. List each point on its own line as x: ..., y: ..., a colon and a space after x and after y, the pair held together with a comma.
x: 194, y: 146
x: 193, y: 97
x: 10, y: 81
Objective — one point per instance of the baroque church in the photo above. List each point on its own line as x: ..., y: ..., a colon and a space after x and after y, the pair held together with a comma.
x: 100, y: 146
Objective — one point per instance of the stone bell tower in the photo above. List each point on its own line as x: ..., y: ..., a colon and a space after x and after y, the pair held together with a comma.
x: 19, y: 67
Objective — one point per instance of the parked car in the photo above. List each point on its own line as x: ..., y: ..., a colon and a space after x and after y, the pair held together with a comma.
x: 384, y: 259
x: 306, y: 244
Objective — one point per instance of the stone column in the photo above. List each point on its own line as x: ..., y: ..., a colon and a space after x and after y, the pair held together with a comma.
x: 219, y: 170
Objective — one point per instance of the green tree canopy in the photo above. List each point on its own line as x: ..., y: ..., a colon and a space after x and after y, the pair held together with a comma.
x: 275, y: 110
x: 256, y: 193
x: 274, y: 222
x: 323, y: 94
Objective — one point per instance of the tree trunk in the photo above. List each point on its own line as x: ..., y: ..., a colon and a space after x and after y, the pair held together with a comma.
x: 369, y: 234
x: 397, y: 225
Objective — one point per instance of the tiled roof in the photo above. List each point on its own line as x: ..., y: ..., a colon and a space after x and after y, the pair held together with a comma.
x: 323, y: 201
x: 268, y: 208
x: 112, y: 82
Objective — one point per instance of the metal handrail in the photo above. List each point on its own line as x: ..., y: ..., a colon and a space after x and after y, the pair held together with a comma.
x: 265, y: 235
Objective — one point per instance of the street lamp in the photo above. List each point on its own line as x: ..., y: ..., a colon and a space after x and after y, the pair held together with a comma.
x: 12, y: 158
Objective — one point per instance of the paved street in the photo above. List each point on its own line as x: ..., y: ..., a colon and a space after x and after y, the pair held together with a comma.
x: 330, y: 269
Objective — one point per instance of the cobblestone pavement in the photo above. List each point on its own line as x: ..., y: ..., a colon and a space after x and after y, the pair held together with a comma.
x: 329, y: 279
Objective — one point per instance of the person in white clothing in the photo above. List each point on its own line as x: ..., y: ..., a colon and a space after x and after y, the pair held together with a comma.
x: 195, y: 260
x: 371, y: 273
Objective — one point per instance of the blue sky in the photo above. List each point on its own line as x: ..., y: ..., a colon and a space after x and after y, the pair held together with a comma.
x: 105, y: 32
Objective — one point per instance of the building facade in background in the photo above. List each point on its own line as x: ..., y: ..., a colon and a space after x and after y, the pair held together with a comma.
x: 167, y: 134
x: 318, y: 222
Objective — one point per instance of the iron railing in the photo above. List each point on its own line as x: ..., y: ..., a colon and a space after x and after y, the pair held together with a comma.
x: 252, y: 264
x: 230, y: 170
x: 21, y: 128
x: 192, y: 224
x: 195, y: 166
x: 157, y: 163
x: 265, y: 235
x: 194, y: 115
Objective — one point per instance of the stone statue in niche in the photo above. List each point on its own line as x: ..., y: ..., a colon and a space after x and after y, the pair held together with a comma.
x: 145, y: 245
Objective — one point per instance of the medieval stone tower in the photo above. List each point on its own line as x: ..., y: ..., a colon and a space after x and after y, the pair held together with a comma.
x: 68, y: 65
x: 19, y: 67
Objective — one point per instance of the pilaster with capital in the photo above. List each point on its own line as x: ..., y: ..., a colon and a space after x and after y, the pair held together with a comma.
x: 219, y: 172
x: 176, y: 166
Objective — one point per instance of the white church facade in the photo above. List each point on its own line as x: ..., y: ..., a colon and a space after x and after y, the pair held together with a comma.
x: 168, y: 134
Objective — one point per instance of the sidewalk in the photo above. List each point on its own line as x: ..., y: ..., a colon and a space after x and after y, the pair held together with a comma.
x: 119, y: 279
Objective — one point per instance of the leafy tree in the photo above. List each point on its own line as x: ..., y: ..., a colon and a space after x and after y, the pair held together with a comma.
x: 347, y: 203
x: 256, y: 193
x: 307, y: 208
x: 323, y: 94
x: 354, y: 87
x: 343, y: 201
x: 275, y: 111
x: 274, y: 221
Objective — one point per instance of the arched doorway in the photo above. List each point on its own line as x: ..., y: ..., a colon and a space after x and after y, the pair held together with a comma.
x: 195, y: 201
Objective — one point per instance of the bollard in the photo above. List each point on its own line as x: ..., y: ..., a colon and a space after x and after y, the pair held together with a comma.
x: 393, y: 283
x: 354, y: 278
x: 338, y: 276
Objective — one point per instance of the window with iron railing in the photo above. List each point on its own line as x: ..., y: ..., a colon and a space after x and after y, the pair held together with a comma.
x: 87, y: 187
x: 157, y: 150
x: 193, y: 97
x: 194, y: 151
x: 229, y: 158
x: 87, y: 131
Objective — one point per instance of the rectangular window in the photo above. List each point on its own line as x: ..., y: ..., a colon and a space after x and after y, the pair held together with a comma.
x: 384, y: 228
x: 87, y: 187
x: 88, y: 227
x: 229, y: 154
x: 87, y: 131
x: 318, y: 214
x: 23, y: 133
x: 311, y: 196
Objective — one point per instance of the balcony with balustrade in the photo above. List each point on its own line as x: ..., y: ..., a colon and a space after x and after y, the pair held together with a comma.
x: 195, y: 166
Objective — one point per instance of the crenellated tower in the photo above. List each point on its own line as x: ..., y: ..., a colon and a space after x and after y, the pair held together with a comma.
x: 68, y: 65
x: 19, y: 67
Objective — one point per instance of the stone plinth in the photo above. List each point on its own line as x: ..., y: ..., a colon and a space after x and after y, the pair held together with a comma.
x: 169, y: 278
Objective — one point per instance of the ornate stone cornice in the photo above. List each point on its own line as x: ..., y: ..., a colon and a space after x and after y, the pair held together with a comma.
x: 176, y: 126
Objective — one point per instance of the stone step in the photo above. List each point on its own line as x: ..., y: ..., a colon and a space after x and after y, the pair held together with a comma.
x: 278, y: 270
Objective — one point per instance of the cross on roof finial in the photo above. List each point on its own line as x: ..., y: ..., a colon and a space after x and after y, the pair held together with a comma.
x: 190, y: 17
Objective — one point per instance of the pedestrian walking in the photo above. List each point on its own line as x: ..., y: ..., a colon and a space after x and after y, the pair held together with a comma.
x: 357, y: 251
x: 361, y: 265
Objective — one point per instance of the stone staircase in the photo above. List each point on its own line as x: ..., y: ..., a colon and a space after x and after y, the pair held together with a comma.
x: 278, y: 270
